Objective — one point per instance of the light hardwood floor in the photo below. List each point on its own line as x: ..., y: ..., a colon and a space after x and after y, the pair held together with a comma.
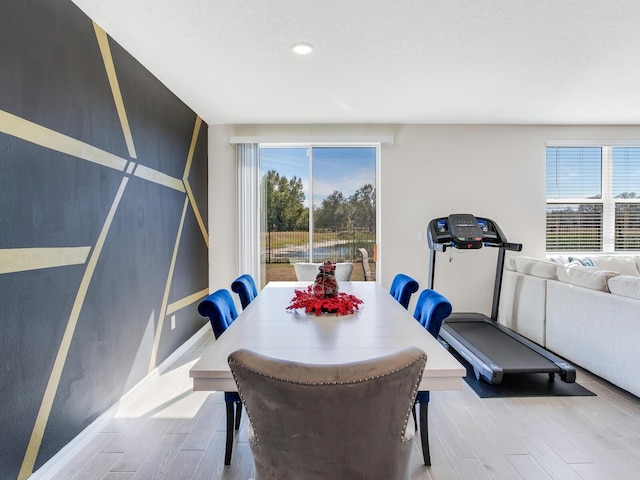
x: 169, y: 432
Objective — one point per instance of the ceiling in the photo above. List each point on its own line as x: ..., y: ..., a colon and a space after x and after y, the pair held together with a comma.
x: 384, y: 61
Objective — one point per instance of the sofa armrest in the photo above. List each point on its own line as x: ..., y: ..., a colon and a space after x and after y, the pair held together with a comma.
x: 596, y: 330
x: 523, y: 305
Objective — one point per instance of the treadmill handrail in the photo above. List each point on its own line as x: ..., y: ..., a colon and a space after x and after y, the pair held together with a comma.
x: 439, y: 240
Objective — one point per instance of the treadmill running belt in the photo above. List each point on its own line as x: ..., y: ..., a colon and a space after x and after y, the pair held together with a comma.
x: 503, y: 350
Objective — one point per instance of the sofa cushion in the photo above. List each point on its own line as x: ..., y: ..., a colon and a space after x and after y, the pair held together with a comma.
x: 536, y: 267
x: 625, y: 286
x: 587, y: 277
x: 623, y: 264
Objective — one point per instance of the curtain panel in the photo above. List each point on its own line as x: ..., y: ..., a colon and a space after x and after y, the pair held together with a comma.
x: 248, y: 177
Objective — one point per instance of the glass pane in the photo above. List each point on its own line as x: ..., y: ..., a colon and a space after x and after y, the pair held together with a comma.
x: 626, y: 172
x: 627, y: 226
x: 285, y: 215
x: 344, y: 203
x: 576, y: 227
x: 574, y: 172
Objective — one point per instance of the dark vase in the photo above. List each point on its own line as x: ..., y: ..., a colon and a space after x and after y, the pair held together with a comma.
x: 325, y: 285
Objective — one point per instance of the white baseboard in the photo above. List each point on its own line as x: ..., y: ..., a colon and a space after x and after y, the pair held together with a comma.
x: 70, y: 450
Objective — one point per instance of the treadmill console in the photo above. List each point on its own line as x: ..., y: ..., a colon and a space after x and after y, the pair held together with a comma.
x: 465, y: 231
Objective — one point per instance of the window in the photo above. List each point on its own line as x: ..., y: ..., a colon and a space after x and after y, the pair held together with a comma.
x: 626, y: 192
x: 593, y: 199
x: 319, y: 204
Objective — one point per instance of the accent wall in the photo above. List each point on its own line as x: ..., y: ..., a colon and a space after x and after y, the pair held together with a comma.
x: 103, y: 217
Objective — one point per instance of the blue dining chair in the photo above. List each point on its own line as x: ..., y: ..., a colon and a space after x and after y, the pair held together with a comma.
x: 221, y: 310
x: 246, y: 289
x: 431, y: 310
x: 402, y: 287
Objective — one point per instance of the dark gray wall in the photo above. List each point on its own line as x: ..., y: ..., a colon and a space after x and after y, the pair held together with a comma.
x: 52, y: 75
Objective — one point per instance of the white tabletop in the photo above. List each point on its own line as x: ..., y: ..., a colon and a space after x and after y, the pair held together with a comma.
x: 380, y: 326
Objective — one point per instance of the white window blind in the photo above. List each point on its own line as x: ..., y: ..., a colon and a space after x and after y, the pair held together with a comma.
x: 574, y: 199
x: 593, y: 199
x: 626, y: 193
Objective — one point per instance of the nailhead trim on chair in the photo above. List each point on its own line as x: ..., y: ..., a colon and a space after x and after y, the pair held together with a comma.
x: 360, y: 380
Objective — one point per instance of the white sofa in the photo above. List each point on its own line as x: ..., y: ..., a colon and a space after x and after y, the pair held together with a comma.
x: 589, y: 315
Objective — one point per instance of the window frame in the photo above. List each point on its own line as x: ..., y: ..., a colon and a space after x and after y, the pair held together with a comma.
x: 607, y: 200
x: 309, y: 146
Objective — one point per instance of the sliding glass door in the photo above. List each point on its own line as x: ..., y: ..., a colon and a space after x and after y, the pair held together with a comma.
x: 319, y: 204
x: 284, y: 212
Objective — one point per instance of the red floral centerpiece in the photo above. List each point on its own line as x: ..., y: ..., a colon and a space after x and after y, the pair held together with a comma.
x: 324, y: 296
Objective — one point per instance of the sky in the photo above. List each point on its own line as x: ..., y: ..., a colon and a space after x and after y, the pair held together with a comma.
x: 345, y: 169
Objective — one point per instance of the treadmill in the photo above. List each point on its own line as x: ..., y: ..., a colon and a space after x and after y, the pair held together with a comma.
x: 492, y: 349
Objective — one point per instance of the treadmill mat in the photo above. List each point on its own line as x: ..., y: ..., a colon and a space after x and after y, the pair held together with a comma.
x: 503, y: 350
x: 521, y: 385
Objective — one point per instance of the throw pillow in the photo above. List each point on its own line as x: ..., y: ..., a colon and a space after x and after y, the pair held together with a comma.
x: 585, y: 262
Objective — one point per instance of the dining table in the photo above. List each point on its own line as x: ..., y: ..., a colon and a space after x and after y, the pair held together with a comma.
x: 379, y: 326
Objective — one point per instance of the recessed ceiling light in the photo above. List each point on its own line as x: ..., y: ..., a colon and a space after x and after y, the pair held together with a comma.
x: 302, y: 48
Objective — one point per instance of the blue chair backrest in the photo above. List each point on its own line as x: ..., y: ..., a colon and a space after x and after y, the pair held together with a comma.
x: 220, y: 309
x: 246, y: 289
x: 431, y: 310
x: 402, y: 287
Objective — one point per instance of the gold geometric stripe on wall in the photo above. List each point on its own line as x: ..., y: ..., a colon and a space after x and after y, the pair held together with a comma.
x: 158, y: 177
x: 105, y: 50
x: 187, y: 186
x: 192, y: 147
x: 16, y: 260
x: 23, y: 259
x: 58, y: 365
x: 165, y: 298
x: 45, y: 137
x: 186, y: 301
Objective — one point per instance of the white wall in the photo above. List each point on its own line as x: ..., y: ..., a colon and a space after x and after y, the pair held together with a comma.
x: 489, y: 171
x: 223, y: 219
x: 430, y: 171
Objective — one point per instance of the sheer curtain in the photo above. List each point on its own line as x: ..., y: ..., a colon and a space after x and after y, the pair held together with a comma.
x: 248, y: 177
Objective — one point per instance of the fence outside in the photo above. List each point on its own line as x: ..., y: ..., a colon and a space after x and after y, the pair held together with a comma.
x: 280, y: 250
x: 333, y: 245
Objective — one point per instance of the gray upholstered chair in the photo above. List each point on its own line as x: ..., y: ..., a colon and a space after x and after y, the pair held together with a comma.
x: 339, y: 422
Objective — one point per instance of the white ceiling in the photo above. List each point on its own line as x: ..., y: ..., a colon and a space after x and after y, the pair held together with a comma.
x: 389, y: 61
